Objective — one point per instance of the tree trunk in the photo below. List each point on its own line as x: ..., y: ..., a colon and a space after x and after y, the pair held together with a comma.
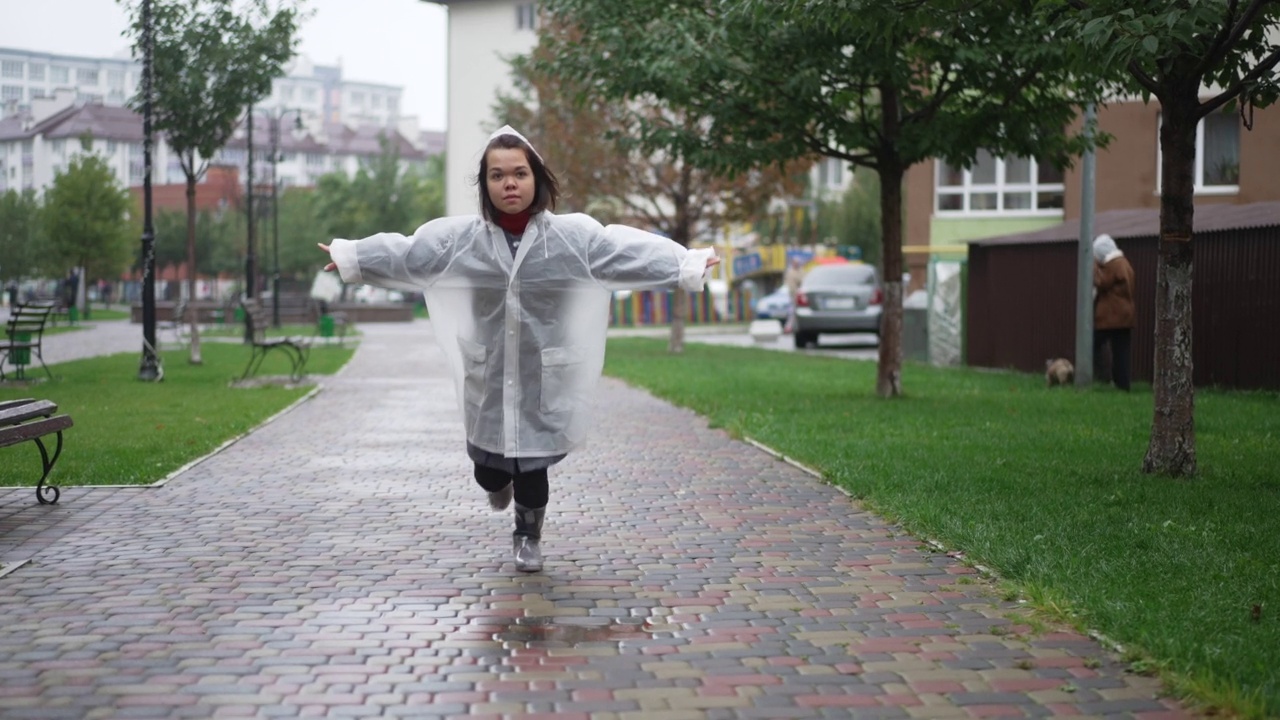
x: 195, y: 358
x: 1173, y: 440
x: 889, y: 370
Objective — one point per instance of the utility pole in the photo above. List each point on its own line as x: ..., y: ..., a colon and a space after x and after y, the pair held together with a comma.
x: 1084, y: 259
x: 149, y: 369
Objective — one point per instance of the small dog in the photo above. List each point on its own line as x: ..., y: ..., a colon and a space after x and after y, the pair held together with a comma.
x: 1058, y: 372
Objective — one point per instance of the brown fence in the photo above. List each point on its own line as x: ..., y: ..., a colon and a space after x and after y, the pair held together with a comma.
x: 1022, y: 296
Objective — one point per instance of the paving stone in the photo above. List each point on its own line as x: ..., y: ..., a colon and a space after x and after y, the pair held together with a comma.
x: 340, y: 562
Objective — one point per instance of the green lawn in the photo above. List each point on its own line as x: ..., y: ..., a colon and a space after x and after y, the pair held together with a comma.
x: 1042, y: 486
x: 131, y: 432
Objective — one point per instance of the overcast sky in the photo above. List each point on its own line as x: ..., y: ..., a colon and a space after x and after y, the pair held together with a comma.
x: 394, y: 42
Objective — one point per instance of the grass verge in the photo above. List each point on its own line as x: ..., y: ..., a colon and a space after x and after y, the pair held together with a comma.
x: 129, y: 432
x: 1042, y: 486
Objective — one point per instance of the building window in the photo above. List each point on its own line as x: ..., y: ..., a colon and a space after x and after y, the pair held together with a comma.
x: 86, y: 76
x: 11, y: 69
x: 999, y: 186
x: 35, y: 72
x: 308, y: 95
x: 831, y: 173
x: 115, y: 79
x: 60, y: 74
x: 1217, y: 165
x: 357, y: 99
x: 11, y: 92
x: 527, y: 16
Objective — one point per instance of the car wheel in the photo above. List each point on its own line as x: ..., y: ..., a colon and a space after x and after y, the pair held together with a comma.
x: 805, y: 339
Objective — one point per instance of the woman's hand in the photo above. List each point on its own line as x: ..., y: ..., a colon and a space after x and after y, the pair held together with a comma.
x: 332, y: 265
x: 713, y: 261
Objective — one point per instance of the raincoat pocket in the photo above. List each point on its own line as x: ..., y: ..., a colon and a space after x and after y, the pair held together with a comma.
x: 562, y: 380
x: 474, y: 363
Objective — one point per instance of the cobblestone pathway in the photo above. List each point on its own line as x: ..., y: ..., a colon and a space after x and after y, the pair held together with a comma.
x: 339, y: 562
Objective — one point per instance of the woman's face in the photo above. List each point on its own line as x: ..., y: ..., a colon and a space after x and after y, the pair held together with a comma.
x: 509, y: 180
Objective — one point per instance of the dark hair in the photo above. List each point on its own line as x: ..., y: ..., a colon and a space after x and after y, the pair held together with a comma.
x: 546, y: 189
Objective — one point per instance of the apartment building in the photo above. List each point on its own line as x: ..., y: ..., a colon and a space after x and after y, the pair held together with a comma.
x: 39, y: 142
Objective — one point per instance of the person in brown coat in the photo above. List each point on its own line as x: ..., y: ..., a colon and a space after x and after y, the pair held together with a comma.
x: 1113, y: 313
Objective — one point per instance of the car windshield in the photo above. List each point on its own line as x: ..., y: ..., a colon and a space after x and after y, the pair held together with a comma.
x: 840, y: 276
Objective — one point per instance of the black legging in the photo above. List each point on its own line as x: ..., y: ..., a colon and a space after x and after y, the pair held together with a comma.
x: 1119, y: 342
x: 531, y: 488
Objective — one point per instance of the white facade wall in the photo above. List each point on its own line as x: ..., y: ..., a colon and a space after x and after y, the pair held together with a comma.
x: 483, y: 36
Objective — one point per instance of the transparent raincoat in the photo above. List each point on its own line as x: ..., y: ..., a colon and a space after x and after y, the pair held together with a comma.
x: 524, y: 337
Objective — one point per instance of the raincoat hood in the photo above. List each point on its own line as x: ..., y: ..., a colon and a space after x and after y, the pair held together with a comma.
x: 508, y: 130
x: 1104, y: 249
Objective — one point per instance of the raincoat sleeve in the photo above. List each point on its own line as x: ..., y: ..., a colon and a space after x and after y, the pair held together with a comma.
x: 627, y: 258
x: 394, y: 261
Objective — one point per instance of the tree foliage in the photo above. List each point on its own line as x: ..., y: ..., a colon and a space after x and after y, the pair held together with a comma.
x: 1195, y: 57
x: 882, y: 84
x: 87, y: 221
x: 21, y: 235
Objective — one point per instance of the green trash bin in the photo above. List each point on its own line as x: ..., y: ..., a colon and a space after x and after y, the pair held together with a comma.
x: 21, y: 356
x: 326, y: 326
x: 73, y: 314
x: 239, y: 313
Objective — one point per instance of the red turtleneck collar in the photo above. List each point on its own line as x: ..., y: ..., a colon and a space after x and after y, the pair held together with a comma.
x: 514, y: 224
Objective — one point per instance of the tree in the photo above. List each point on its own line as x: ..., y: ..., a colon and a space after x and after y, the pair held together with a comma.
x: 881, y: 84
x: 87, y: 220
x: 217, y: 233
x: 589, y: 137
x: 21, y: 234
x: 211, y: 59
x: 1178, y: 52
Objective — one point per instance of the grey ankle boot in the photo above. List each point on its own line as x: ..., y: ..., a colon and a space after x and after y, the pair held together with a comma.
x: 526, y: 540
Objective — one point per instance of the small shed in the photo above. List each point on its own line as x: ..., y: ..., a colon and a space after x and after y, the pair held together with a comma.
x: 1022, y: 294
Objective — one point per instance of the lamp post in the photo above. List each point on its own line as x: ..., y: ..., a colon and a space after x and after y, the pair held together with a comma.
x: 250, y: 260
x: 275, y: 119
x: 149, y: 369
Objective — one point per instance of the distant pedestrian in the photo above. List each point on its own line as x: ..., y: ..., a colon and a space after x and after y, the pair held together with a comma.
x: 519, y: 301
x: 1114, y: 316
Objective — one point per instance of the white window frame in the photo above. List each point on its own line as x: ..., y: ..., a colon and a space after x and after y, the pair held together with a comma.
x: 1197, y: 171
x: 527, y: 16
x: 968, y: 188
x: 14, y: 69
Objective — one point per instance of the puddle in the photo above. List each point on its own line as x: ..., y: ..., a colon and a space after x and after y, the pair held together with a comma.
x: 570, y: 631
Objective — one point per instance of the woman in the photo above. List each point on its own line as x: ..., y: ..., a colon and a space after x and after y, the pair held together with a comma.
x: 1113, y: 311
x: 519, y: 298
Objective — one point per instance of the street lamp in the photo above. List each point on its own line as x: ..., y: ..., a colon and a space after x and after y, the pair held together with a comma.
x: 149, y: 369
x: 250, y: 259
x: 275, y: 119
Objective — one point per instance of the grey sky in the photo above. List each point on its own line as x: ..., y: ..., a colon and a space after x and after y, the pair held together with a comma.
x: 396, y: 42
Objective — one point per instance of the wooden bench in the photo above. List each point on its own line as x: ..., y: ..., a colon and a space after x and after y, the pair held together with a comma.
x: 24, y: 338
x: 31, y: 419
x: 258, y: 320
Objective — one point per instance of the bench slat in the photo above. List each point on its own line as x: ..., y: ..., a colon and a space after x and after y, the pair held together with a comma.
x: 14, y: 434
x: 27, y: 411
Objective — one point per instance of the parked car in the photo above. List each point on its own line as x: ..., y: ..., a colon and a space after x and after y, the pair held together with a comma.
x: 776, y: 304
x: 838, y: 298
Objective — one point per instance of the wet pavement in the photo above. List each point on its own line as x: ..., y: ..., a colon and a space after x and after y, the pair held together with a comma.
x: 340, y: 562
